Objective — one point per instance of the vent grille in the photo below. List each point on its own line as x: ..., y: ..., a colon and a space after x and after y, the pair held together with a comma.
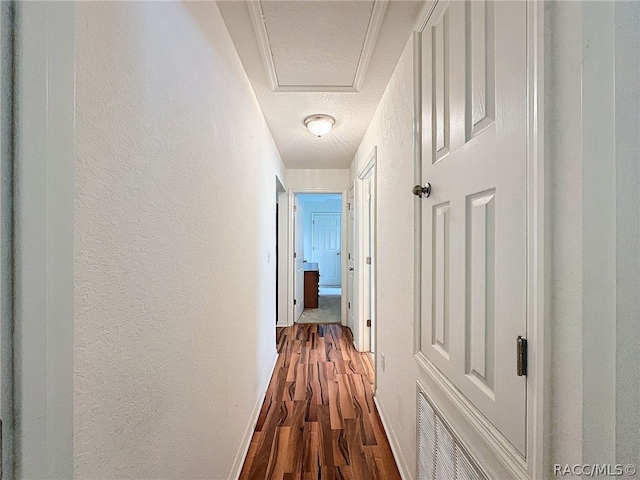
x: 440, y: 455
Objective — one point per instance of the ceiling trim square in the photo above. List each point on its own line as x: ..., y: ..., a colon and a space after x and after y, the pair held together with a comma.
x: 258, y: 21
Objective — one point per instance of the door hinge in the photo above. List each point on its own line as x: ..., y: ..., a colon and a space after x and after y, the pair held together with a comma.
x: 368, y: 260
x: 348, y: 304
x: 348, y: 206
x: 368, y: 323
x: 295, y: 208
x: 295, y: 302
x: 521, y: 356
x: 295, y: 255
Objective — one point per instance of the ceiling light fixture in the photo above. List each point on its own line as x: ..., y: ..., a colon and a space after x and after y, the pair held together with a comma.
x: 319, y: 124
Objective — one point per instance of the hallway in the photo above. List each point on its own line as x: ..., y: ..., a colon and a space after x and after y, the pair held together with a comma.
x: 488, y: 161
x: 318, y: 419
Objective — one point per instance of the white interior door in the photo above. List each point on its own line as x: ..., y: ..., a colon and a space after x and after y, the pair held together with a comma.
x: 351, y: 264
x: 326, y: 241
x: 474, y: 223
x: 298, y: 260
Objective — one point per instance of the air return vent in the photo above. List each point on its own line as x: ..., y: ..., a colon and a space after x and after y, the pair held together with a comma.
x: 440, y: 455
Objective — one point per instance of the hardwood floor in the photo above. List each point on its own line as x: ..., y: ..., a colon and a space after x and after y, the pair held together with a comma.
x: 318, y: 420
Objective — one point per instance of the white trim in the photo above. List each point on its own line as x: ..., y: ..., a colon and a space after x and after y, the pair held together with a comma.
x: 315, y: 89
x: 498, y: 453
x: 367, y: 289
x: 257, y: 20
x: 241, y: 456
x: 370, y: 39
x: 367, y: 169
x: 354, y: 287
x: 282, y: 265
x: 538, y: 416
x: 405, y: 470
x: 417, y: 179
x: 428, y: 9
x: 291, y: 278
x: 7, y: 246
x: 44, y: 236
x: 344, y: 264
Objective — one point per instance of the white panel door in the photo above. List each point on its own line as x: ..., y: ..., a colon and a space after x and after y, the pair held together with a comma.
x: 474, y: 223
x: 326, y: 244
x: 351, y: 264
x: 298, y: 242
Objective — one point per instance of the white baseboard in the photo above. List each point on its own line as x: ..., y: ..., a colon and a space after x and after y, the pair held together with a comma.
x: 278, y: 325
x: 248, y: 433
x: 405, y: 471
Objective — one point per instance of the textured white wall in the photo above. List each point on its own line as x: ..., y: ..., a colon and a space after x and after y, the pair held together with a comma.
x: 330, y: 180
x: 391, y: 131
x: 174, y: 295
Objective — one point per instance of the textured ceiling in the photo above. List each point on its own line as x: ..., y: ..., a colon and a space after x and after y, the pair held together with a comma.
x: 314, y: 43
x: 295, y: 73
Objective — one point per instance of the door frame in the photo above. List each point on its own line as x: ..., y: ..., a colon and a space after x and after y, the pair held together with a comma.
x: 7, y: 244
x: 366, y: 222
x: 293, y: 201
x: 487, y: 444
x: 352, y: 235
x: 44, y: 236
x: 280, y: 254
x: 290, y: 271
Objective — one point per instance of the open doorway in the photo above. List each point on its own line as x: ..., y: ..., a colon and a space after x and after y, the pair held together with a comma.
x: 318, y: 258
x: 282, y: 202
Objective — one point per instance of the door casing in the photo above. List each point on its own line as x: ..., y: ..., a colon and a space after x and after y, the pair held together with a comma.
x: 366, y: 212
x: 351, y: 258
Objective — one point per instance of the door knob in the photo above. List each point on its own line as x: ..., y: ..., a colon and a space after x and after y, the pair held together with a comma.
x: 420, y: 191
x: 351, y: 269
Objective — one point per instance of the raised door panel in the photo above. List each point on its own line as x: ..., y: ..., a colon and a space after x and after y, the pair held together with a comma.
x: 480, y: 291
x: 480, y: 59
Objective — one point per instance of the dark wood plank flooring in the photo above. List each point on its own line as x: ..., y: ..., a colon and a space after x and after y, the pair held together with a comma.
x: 318, y: 420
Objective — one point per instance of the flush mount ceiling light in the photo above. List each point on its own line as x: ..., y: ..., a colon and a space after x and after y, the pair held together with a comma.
x: 319, y: 124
